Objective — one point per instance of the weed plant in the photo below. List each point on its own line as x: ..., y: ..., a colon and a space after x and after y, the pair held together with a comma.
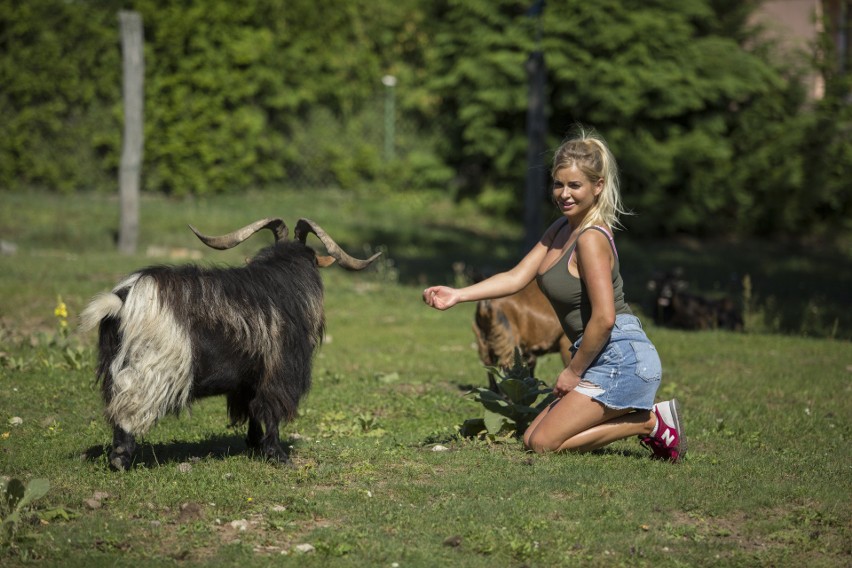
x: 514, y: 399
x: 381, y: 477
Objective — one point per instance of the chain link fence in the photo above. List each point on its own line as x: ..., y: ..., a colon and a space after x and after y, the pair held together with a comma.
x: 368, y: 143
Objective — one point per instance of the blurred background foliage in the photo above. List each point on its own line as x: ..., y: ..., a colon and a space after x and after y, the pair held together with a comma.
x: 714, y: 131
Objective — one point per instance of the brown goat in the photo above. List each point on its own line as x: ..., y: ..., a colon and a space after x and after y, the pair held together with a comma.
x: 526, y: 321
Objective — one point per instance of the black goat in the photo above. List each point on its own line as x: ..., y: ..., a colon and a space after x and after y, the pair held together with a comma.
x: 673, y: 306
x: 171, y: 335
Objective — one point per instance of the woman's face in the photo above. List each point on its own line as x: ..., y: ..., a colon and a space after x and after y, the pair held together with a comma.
x: 574, y: 194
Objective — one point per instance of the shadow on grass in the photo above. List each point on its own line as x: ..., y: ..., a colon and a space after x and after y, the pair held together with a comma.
x: 635, y: 454
x: 219, y: 447
x: 796, y: 288
x: 430, y: 252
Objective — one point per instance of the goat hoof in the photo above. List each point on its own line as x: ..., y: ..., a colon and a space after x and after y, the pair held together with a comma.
x: 119, y: 462
x: 282, y: 462
x: 277, y: 455
x: 120, y: 458
x: 273, y: 455
x: 280, y: 459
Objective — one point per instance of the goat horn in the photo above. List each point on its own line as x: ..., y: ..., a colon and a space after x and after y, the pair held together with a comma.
x: 305, y: 226
x: 231, y: 240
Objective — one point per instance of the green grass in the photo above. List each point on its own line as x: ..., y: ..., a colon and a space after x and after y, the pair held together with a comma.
x: 767, y: 414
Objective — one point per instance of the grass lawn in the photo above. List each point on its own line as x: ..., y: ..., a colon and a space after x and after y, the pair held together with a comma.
x: 767, y: 481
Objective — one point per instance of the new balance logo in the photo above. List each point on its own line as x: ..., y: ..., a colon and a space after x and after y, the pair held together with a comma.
x: 669, y: 437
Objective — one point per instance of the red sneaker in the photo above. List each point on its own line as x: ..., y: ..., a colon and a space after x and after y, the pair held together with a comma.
x: 669, y: 443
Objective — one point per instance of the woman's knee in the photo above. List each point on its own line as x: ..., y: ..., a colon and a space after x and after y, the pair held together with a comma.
x: 540, y: 443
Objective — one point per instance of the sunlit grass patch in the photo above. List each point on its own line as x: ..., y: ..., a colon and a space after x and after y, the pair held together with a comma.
x: 766, y: 481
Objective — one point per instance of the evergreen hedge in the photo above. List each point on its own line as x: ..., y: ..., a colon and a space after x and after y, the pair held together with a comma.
x: 712, y: 138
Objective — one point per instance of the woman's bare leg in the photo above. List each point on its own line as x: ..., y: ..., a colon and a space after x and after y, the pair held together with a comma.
x: 577, y: 422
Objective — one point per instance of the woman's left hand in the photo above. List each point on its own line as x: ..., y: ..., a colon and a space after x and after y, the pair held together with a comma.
x: 566, y: 382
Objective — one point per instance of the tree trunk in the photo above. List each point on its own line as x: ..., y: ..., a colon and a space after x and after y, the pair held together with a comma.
x: 131, y: 154
x: 536, y: 178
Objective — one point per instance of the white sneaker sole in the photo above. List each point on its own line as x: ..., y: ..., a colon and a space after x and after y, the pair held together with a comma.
x: 670, y: 411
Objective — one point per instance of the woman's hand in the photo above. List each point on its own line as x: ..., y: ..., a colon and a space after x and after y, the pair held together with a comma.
x: 566, y: 382
x: 441, y: 297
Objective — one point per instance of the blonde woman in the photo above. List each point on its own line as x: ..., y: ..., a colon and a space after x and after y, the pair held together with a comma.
x: 607, y: 391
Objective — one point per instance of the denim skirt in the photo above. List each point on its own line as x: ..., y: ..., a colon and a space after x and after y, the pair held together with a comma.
x: 627, y: 372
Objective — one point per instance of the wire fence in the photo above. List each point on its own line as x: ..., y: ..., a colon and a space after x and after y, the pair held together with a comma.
x: 329, y: 148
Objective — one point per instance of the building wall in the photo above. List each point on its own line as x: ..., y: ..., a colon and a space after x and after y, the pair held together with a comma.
x: 795, y: 25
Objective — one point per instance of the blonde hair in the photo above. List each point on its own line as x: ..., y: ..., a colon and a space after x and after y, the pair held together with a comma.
x: 589, y: 152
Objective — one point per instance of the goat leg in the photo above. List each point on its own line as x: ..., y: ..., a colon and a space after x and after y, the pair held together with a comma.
x: 123, y: 446
x: 255, y: 435
x: 270, y: 445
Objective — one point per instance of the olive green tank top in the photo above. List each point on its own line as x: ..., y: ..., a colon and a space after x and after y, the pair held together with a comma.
x: 568, y: 295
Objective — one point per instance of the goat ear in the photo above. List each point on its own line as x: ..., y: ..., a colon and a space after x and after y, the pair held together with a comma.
x: 324, y: 261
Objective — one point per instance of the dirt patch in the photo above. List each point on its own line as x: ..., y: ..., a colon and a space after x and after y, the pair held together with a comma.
x: 191, y: 533
x: 766, y: 533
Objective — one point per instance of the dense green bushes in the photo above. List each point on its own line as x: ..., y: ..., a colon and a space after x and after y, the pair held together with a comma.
x: 712, y: 138
x: 59, y: 94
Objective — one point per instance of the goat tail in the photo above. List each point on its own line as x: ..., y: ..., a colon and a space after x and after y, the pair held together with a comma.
x: 106, y: 304
x: 103, y: 306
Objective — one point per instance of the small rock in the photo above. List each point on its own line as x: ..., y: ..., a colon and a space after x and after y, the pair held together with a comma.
x: 240, y: 524
x: 16, y: 421
x: 8, y: 248
x: 305, y: 548
x: 279, y: 508
x: 440, y: 448
x: 92, y: 504
x: 453, y: 541
x: 190, y: 511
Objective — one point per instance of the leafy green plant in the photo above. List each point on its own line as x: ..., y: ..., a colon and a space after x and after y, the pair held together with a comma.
x: 75, y: 358
x: 12, y: 363
x: 508, y: 411
x: 15, y: 497
x: 369, y: 424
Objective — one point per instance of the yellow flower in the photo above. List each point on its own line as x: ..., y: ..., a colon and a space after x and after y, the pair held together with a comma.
x: 5, y: 435
x: 61, y: 310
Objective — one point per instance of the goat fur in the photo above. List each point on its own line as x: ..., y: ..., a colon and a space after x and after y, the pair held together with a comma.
x: 171, y: 335
x: 524, y: 320
x: 673, y: 306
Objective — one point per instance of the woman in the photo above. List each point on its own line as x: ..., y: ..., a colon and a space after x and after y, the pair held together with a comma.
x: 606, y: 392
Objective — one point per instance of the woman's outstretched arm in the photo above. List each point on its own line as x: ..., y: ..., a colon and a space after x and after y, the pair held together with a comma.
x: 497, y: 286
